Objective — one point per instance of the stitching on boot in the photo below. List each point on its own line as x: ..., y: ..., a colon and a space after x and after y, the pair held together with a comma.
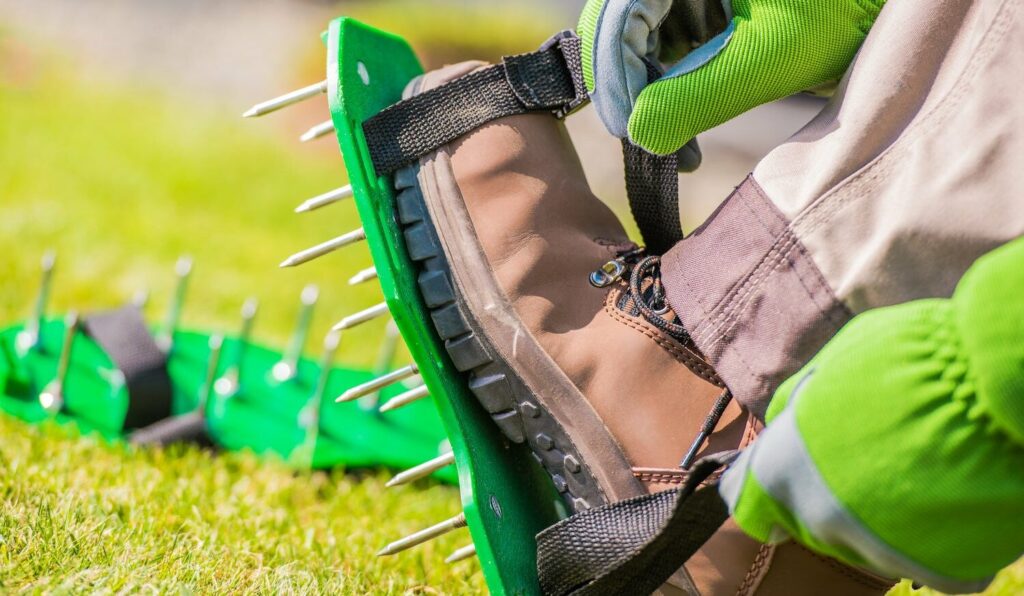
x: 677, y: 351
x: 672, y: 476
x: 616, y: 245
x: 751, y: 432
x: 660, y: 476
x: 756, y: 572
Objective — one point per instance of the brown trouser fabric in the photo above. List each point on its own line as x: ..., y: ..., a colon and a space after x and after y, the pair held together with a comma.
x: 908, y: 175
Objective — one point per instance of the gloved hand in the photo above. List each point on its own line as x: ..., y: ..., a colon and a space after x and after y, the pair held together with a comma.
x: 900, y: 446
x: 727, y: 59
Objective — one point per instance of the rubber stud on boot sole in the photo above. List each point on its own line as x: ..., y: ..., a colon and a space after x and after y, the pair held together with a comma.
x: 511, y: 425
x: 494, y: 392
x: 436, y: 289
x: 449, y: 322
x: 467, y: 353
x: 410, y: 207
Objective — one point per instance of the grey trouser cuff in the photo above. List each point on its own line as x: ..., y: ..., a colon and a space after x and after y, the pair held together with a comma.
x: 751, y: 297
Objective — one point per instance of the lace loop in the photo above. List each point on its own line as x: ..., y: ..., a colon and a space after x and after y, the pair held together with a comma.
x: 652, y: 302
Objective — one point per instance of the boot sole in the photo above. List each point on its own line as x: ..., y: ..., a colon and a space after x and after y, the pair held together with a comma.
x: 495, y: 385
x: 545, y: 410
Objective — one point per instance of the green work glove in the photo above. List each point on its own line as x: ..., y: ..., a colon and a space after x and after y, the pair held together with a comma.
x: 727, y: 59
x: 900, y: 446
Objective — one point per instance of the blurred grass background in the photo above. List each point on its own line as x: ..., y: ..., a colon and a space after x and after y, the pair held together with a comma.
x: 121, y: 148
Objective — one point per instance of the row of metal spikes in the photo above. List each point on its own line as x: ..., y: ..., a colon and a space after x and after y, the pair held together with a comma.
x: 52, y: 396
x: 379, y: 310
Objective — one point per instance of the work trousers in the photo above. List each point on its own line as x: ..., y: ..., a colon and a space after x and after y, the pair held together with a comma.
x: 906, y: 177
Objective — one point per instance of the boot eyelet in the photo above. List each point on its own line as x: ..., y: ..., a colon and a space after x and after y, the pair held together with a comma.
x: 608, y: 274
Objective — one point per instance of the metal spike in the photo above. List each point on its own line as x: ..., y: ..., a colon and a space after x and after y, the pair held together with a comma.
x: 362, y: 316
x: 328, y: 198
x: 29, y: 338
x: 378, y: 383
x: 462, y: 554
x: 182, y: 269
x: 212, y: 363
x: 140, y: 299
x: 320, y: 130
x: 52, y: 396
x: 459, y: 521
x: 227, y: 385
x: 310, y: 415
x: 405, y: 399
x: 423, y: 470
x: 321, y: 249
x: 288, y: 367
x: 272, y: 105
x: 363, y: 276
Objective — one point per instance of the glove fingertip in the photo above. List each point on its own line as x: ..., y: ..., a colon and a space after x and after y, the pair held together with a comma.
x: 660, y: 121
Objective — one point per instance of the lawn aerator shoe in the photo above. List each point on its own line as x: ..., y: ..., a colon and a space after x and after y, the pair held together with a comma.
x: 560, y: 325
x: 108, y: 372
x: 541, y: 331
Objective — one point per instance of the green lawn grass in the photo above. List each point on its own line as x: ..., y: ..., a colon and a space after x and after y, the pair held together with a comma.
x: 120, y: 181
x: 79, y: 515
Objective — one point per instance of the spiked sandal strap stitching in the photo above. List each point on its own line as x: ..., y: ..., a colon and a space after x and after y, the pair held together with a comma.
x: 123, y: 335
x: 633, y: 546
x: 549, y: 80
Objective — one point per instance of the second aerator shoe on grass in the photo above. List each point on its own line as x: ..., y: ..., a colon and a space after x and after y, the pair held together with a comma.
x: 559, y: 322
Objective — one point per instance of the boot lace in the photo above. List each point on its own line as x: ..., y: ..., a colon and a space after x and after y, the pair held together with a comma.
x: 645, y: 296
x: 647, y: 293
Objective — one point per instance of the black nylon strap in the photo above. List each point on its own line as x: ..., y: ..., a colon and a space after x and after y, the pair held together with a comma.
x: 539, y: 81
x: 186, y: 428
x: 548, y: 80
x: 652, y: 185
x: 123, y: 335
x: 633, y: 546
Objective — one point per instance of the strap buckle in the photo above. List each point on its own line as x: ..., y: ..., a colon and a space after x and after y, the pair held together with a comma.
x: 562, y: 70
x: 569, y: 46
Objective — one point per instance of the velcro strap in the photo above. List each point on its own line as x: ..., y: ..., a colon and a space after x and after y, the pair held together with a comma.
x: 633, y: 546
x: 123, y: 335
x: 539, y: 81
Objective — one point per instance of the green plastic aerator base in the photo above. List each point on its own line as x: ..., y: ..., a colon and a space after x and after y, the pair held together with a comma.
x: 95, y: 398
x: 271, y: 417
x: 265, y: 416
x: 506, y: 497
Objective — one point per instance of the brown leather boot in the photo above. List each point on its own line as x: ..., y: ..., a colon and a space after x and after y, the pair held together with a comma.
x: 560, y: 324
